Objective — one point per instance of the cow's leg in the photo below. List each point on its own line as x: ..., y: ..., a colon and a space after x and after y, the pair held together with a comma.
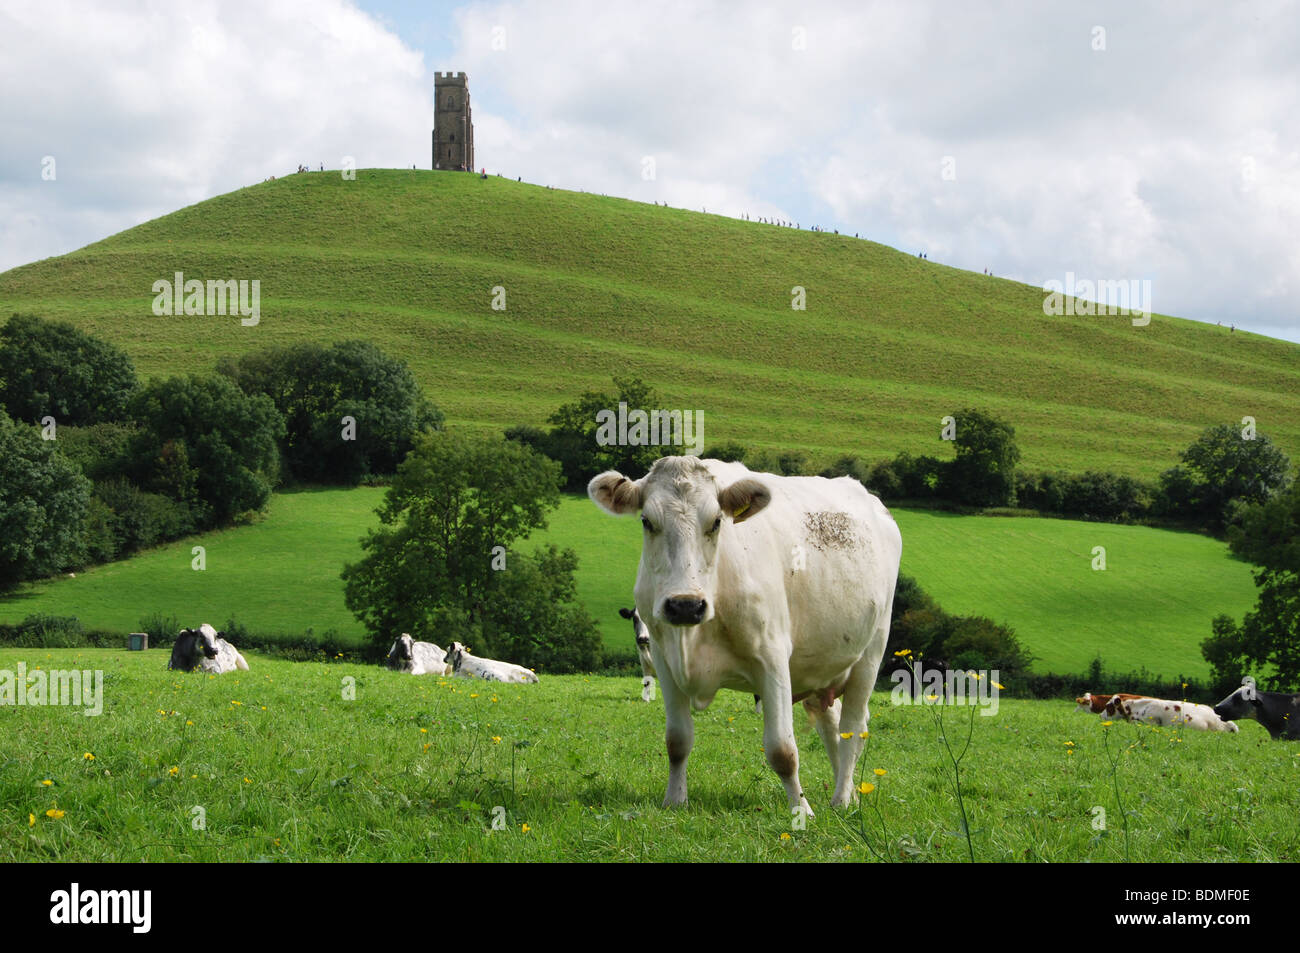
x: 679, y: 736
x: 647, y: 688
x: 778, y: 738
x: 854, y: 717
x: 827, y: 723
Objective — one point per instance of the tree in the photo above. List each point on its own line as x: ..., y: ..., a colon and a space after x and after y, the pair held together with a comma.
x: 52, y: 368
x: 440, y: 565
x: 1267, y: 642
x: 205, y: 443
x: 43, y: 500
x: 1226, y: 466
x: 315, y: 388
x: 573, y: 439
x: 984, y: 472
x: 533, y: 617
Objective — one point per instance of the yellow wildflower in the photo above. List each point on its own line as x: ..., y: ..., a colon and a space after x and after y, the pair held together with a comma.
x: 866, y: 787
x: 54, y: 813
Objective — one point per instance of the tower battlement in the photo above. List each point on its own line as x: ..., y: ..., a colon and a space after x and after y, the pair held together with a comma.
x: 450, y: 79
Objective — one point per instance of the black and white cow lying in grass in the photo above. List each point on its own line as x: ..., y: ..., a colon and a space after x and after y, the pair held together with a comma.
x: 418, y: 658
x: 1279, y: 712
x: 469, y: 666
x: 206, y: 649
x: 642, y: 635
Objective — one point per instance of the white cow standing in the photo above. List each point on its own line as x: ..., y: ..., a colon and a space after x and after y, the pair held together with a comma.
x: 778, y: 586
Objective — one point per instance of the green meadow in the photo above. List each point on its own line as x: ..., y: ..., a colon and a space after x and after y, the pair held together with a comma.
x: 1151, y: 606
x: 327, y: 762
x: 698, y: 305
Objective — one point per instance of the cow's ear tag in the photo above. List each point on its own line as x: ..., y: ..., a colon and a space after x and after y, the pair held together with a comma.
x: 739, y: 511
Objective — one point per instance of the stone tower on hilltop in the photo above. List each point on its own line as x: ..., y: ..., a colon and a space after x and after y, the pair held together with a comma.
x: 453, y: 126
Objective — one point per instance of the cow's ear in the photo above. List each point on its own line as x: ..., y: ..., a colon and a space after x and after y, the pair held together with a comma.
x: 614, y: 493
x: 625, y: 613
x: 743, y: 499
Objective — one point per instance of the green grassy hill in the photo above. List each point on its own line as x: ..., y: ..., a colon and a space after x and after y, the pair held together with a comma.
x: 698, y: 305
x: 1152, y: 606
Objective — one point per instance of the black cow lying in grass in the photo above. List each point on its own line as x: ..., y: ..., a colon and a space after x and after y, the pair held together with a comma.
x: 206, y: 649
x: 1279, y: 712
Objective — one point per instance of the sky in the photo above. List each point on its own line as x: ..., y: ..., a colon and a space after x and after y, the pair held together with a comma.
x: 1043, y: 141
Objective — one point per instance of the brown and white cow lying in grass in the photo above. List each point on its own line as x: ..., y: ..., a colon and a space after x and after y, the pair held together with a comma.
x: 1158, y: 711
x: 1101, y: 704
x: 1145, y: 710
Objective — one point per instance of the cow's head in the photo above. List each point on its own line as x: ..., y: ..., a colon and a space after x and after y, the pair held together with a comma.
x: 1083, y: 702
x: 1240, y: 704
x: 208, y: 638
x: 684, y: 512
x: 639, y: 630
x: 455, y: 655
x: 401, y: 655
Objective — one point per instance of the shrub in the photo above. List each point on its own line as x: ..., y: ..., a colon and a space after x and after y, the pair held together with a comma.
x: 138, y: 520
x: 983, y: 474
x: 161, y: 629
x: 206, y: 444
x: 730, y: 452
x: 314, y: 387
x: 883, y: 480
x: 98, y: 541
x: 43, y: 500
x: 1222, y: 467
x: 53, y: 368
x: 101, y: 451
x: 919, y: 477
x: 533, y: 618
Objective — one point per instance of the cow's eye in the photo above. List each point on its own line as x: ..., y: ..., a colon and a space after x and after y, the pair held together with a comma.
x: 716, y: 524
x: 646, y: 523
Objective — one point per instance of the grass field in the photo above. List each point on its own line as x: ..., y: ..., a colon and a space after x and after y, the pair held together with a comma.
x: 698, y: 305
x: 278, y: 765
x: 1151, y: 606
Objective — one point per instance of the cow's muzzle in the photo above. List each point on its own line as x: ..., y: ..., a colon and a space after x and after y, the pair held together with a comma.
x: 684, y: 610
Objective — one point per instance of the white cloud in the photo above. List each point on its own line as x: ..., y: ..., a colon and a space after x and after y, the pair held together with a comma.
x: 1127, y: 162
x: 1115, y: 163
x: 147, y: 109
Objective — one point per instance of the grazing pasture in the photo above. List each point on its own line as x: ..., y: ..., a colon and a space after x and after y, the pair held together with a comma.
x: 284, y: 768
x: 1152, y: 606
